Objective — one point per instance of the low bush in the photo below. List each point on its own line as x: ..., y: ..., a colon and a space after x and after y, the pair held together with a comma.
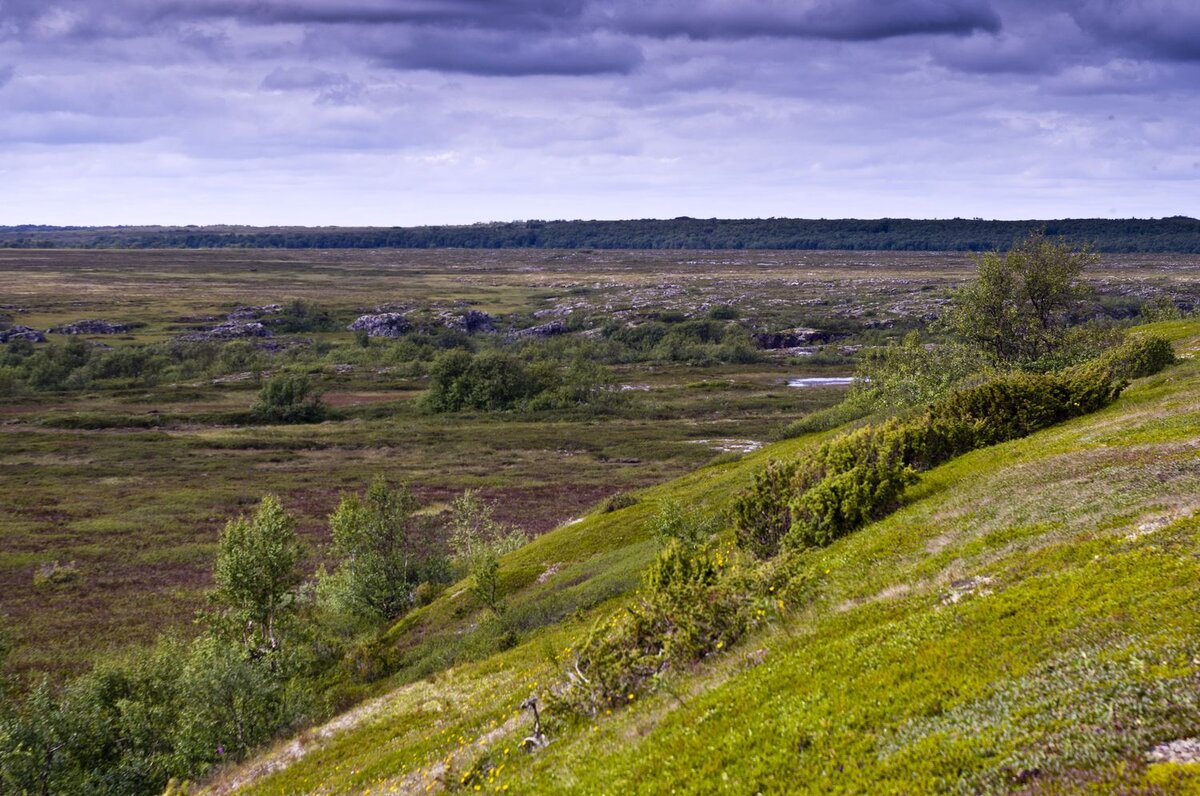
x: 618, y: 501
x: 692, y: 603
x: 861, y: 475
x: 289, y: 398
x: 691, y: 527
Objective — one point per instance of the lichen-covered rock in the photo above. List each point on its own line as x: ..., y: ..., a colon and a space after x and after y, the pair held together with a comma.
x: 790, y: 338
x: 91, y: 326
x: 472, y: 321
x: 544, y: 330
x: 383, y: 324
x: 253, y: 313
x: 22, y: 333
x: 230, y: 330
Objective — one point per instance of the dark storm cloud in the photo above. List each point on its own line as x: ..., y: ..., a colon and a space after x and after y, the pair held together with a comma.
x: 474, y: 13
x: 848, y: 20
x: 505, y: 54
x: 1155, y: 29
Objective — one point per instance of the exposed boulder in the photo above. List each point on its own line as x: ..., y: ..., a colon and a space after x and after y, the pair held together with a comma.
x: 790, y: 338
x: 254, y: 313
x: 544, y: 330
x: 230, y: 330
x: 91, y: 326
x: 383, y: 324
x: 472, y: 321
x: 22, y: 333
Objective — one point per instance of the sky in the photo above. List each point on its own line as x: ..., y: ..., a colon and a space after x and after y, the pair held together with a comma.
x: 403, y: 112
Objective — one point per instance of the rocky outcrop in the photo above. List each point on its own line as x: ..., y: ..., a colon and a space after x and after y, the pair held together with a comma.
x: 383, y: 324
x: 22, y: 333
x: 230, y: 330
x: 91, y: 326
x: 790, y: 338
x: 471, y: 321
x: 254, y: 313
x: 544, y: 330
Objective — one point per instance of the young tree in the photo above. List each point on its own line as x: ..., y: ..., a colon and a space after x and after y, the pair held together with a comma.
x: 257, y: 574
x: 477, y: 540
x: 1021, y: 304
x: 379, y: 563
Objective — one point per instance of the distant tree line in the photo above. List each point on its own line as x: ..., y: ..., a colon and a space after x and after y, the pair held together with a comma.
x: 1173, y: 234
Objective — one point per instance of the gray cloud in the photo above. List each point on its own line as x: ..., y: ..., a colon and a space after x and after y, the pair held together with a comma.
x: 848, y: 20
x: 1160, y: 29
x: 504, y: 54
x: 294, y: 78
x: 327, y: 111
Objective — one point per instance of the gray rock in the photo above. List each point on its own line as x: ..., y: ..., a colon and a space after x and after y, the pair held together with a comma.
x: 230, y: 330
x: 22, y: 333
x: 789, y: 338
x: 544, y: 330
x: 472, y: 321
x: 91, y: 326
x: 253, y: 313
x: 383, y: 324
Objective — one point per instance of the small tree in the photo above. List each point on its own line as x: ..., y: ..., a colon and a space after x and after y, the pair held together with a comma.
x: 477, y: 540
x: 379, y: 566
x: 289, y: 398
x: 1021, y: 304
x: 257, y: 575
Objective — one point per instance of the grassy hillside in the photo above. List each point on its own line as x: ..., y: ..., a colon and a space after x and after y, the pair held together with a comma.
x: 1027, y: 621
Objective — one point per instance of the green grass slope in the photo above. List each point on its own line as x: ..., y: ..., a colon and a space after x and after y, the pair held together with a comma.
x: 1026, y: 622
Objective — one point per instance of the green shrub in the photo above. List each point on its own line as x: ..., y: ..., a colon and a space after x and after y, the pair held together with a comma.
x: 861, y: 475
x: 477, y: 540
x: 382, y: 554
x: 690, y: 527
x: 762, y: 515
x: 692, y: 603
x: 498, y: 381
x: 618, y: 501
x: 289, y: 398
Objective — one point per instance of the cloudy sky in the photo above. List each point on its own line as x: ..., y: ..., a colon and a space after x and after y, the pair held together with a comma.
x: 450, y: 111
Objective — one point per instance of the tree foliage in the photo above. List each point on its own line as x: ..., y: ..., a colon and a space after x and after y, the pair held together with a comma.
x: 256, y: 574
x: 1021, y: 304
x: 382, y: 554
x: 477, y: 540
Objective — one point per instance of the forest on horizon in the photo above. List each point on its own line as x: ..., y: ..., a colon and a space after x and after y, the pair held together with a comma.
x: 1179, y: 234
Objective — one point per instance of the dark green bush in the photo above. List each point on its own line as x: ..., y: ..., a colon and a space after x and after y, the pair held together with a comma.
x: 496, y: 381
x: 692, y: 603
x: 762, y: 515
x: 289, y: 398
x: 861, y: 475
x: 618, y: 501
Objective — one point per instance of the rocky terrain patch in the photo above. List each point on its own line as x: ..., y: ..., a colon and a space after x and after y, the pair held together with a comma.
x: 92, y: 326
x: 22, y: 333
x: 382, y: 324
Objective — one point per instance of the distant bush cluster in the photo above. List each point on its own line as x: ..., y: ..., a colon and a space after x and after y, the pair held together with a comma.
x: 495, y: 380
